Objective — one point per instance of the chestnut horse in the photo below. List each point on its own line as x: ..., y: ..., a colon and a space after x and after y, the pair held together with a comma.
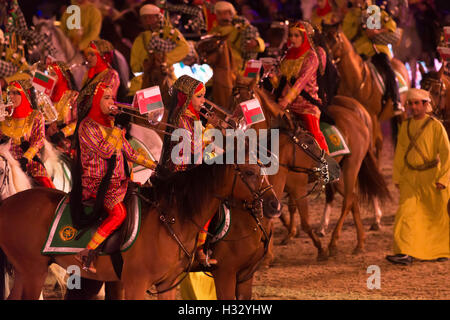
x: 358, y: 168
x: 214, y: 51
x: 165, y: 245
x: 357, y: 81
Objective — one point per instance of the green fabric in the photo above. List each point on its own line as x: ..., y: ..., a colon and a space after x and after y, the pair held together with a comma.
x: 335, y: 141
x: 62, y: 236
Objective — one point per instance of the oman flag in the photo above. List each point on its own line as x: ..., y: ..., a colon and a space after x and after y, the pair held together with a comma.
x: 252, y: 68
x: 252, y: 111
x: 43, y: 82
x: 148, y: 100
x: 444, y: 52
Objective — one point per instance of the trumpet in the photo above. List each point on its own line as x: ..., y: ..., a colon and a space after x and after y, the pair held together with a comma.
x: 4, y: 110
x: 228, y: 122
x: 47, y: 108
x: 154, y: 118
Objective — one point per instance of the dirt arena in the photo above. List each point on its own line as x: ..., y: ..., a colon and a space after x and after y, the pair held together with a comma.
x: 296, y: 274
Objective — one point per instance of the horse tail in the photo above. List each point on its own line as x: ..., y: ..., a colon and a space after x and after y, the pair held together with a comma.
x: 371, y: 181
x: 2, y: 275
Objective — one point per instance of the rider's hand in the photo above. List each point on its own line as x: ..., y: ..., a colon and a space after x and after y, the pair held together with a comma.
x: 283, y: 103
x: 440, y: 186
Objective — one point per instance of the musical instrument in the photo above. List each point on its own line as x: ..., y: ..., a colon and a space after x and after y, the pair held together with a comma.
x: 4, y: 110
x: 46, y: 106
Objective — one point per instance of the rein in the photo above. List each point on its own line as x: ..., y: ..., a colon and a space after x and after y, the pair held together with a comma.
x: 5, y: 173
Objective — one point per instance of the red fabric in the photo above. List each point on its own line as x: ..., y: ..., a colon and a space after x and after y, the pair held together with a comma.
x: 323, y: 11
x: 96, y: 113
x: 102, y: 62
x: 45, y: 182
x: 295, y: 53
x: 312, y: 125
x: 116, y: 216
x: 24, y: 109
x: 61, y: 85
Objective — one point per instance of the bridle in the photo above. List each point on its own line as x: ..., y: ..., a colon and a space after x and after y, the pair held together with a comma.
x: 255, y: 207
x: 5, y: 172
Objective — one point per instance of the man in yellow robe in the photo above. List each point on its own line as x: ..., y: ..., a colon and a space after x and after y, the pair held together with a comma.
x: 242, y: 37
x: 422, y: 173
x: 160, y: 35
x: 91, y: 24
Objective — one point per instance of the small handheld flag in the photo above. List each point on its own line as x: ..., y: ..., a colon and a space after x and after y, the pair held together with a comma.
x: 148, y: 100
x: 43, y: 83
x: 252, y: 68
x: 252, y: 111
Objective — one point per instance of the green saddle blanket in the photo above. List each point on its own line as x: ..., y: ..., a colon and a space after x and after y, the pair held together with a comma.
x: 335, y: 141
x: 63, y: 238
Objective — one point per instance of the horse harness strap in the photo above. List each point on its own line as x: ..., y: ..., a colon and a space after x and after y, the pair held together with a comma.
x: 413, y: 145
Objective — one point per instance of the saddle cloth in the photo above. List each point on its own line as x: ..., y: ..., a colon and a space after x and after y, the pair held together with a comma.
x: 63, y: 238
x: 402, y: 85
x: 335, y: 141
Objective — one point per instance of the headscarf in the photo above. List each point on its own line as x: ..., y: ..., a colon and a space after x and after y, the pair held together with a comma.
x: 325, y: 10
x: 223, y: 6
x: 418, y: 94
x: 104, y: 51
x: 149, y: 9
x: 95, y: 113
x: 62, y: 84
x: 295, y: 53
x: 186, y: 87
x: 25, y: 107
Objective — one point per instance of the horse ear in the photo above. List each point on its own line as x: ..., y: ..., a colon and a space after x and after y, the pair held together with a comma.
x: 441, y: 71
x: 35, y: 20
x: 421, y: 69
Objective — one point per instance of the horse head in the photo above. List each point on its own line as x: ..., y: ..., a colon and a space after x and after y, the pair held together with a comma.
x: 434, y: 83
x: 334, y: 40
x: 209, y: 49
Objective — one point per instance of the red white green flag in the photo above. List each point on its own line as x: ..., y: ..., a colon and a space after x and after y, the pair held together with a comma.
x: 43, y: 83
x: 148, y: 100
x: 252, y: 111
x: 252, y: 68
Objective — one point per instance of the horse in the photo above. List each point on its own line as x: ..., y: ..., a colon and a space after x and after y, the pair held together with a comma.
x: 358, y: 82
x: 165, y: 245
x: 438, y: 84
x: 358, y: 168
x: 68, y: 53
x: 214, y: 51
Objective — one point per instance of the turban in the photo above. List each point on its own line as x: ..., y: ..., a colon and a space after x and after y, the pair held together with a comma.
x: 418, y: 94
x: 223, y: 6
x: 149, y: 9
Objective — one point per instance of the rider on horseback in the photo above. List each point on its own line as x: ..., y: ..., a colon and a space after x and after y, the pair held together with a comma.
x: 372, y: 44
x: 297, y: 85
x: 190, y: 97
x: 26, y: 128
x: 100, y: 163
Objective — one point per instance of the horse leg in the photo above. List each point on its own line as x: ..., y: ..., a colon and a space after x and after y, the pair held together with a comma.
x: 114, y: 290
x: 33, y: 282
x: 322, y: 230
x: 226, y: 285
x: 302, y: 205
x: 359, y: 226
x: 244, y: 289
x: 376, y: 226
x: 292, y: 229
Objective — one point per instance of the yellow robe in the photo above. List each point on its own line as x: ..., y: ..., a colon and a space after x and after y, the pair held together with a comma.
x: 421, y: 227
x: 234, y: 42
x: 91, y: 24
x: 351, y: 26
x: 198, y: 286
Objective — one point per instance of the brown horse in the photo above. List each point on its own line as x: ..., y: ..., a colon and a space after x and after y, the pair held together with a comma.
x: 163, y: 249
x: 214, y: 51
x: 357, y: 81
x: 247, y: 242
x: 355, y: 124
x: 438, y: 84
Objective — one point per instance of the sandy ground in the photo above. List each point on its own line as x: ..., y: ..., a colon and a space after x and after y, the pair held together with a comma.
x: 296, y: 275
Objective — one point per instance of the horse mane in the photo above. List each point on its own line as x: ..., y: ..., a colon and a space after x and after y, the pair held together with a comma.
x: 20, y: 180
x: 191, y: 189
x: 51, y: 156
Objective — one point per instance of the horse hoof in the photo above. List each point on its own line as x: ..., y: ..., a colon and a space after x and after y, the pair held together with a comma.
x: 358, y: 250
x: 320, y: 233
x: 322, y: 256
x: 375, y: 227
x: 285, y: 241
x: 332, y: 251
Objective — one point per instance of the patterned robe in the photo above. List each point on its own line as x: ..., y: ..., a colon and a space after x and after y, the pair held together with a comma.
x: 95, y: 151
x: 32, y: 130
